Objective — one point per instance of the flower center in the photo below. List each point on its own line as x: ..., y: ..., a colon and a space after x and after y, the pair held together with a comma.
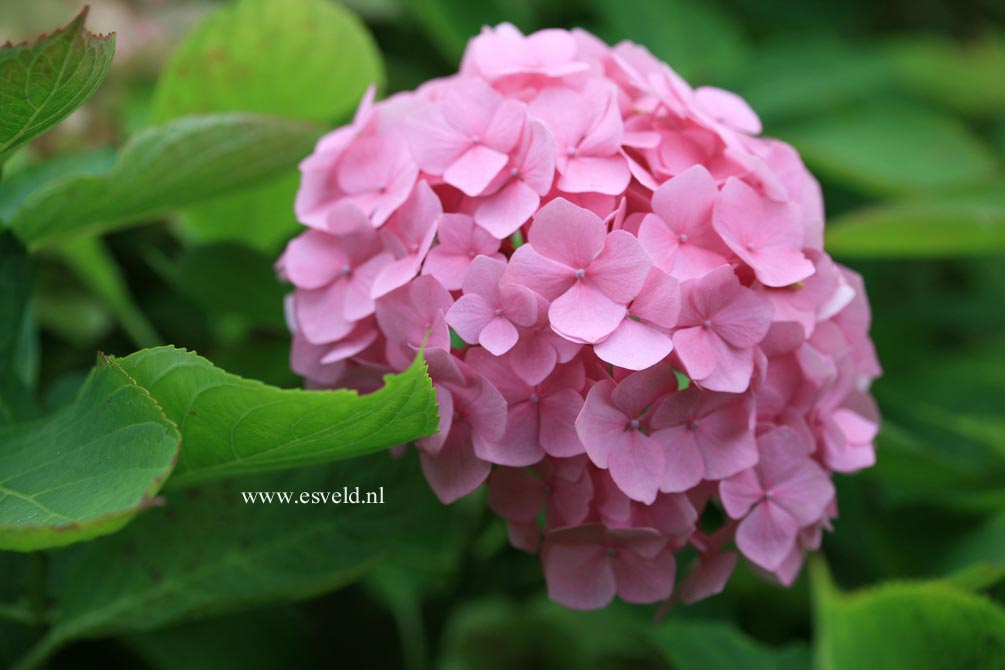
x: 534, y: 398
x: 476, y: 140
x: 514, y: 173
x: 750, y: 246
x: 345, y: 271
x: 611, y: 552
x: 382, y: 188
x: 682, y: 238
x: 693, y: 425
x: 580, y: 273
x: 498, y: 312
x: 707, y: 323
x: 571, y: 151
x: 634, y: 424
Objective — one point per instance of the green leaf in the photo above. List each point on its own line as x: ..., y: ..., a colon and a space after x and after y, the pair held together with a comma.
x: 234, y: 426
x: 207, y: 552
x: 88, y: 469
x: 715, y: 645
x: 944, y: 227
x: 301, y: 59
x: 17, y: 186
x: 162, y: 169
x: 700, y: 42
x: 42, y: 82
x: 963, y: 76
x: 928, y: 625
x: 893, y: 149
x: 319, y: 61
x: 97, y: 269
x: 810, y: 73
x: 260, y: 217
x: 15, y: 290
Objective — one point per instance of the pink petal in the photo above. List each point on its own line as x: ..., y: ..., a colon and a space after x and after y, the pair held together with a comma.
x: 579, y: 576
x: 583, y: 174
x: 584, y: 313
x: 455, y: 471
x: 559, y: 412
x: 542, y: 275
x: 740, y: 492
x: 498, y: 336
x: 621, y: 269
x: 696, y: 348
x: 475, y: 169
x: 520, y: 445
x: 707, y: 578
x: 469, y: 316
x: 642, y: 580
x: 767, y: 535
x: 503, y: 212
x: 684, y: 464
x: 634, y: 346
x: 568, y: 234
x: 515, y: 494
x: 637, y: 463
x: 533, y: 358
x: 600, y: 424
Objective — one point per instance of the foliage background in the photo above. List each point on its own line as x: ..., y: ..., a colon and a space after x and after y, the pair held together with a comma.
x: 898, y: 107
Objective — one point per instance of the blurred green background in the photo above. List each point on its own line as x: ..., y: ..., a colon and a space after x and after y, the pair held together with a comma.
x: 899, y: 109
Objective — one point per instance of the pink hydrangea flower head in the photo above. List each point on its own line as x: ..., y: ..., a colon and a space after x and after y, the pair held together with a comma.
x: 621, y: 292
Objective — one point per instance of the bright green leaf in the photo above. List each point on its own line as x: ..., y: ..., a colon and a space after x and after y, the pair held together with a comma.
x: 207, y: 552
x: 929, y: 625
x: 17, y: 186
x: 260, y: 217
x: 950, y: 226
x: 234, y: 426
x: 165, y: 168
x: 892, y: 149
x: 42, y: 82
x: 319, y: 61
x: 301, y: 59
x: 88, y: 469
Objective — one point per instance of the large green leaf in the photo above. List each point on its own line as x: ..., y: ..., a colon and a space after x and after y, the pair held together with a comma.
x: 302, y: 59
x: 208, y: 552
x: 715, y: 645
x: 893, y: 149
x: 15, y: 289
x: 162, y: 169
x: 236, y: 426
x: 318, y: 62
x: 88, y: 469
x: 810, y: 73
x: 959, y: 225
x: 42, y: 82
x: 929, y: 625
x: 963, y: 76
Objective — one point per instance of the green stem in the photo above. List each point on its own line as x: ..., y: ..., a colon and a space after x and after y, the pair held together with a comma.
x: 17, y: 612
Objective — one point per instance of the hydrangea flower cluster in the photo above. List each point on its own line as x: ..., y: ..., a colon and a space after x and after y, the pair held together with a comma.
x: 624, y: 301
